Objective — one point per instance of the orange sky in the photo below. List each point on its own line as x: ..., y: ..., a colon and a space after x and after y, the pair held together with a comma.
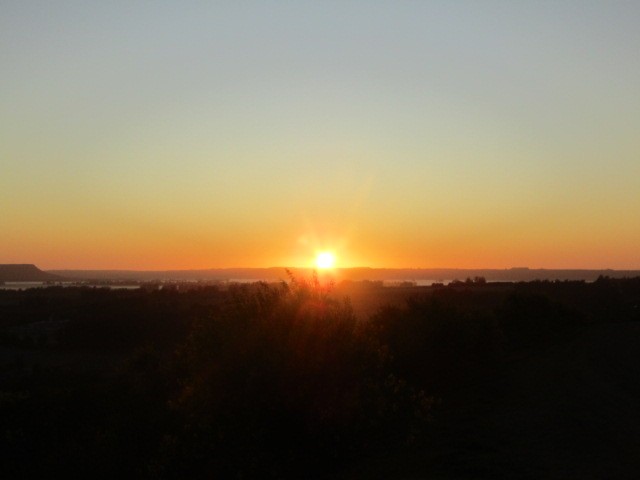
x: 451, y: 134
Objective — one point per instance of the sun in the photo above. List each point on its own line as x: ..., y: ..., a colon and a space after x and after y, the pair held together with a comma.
x: 325, y: 260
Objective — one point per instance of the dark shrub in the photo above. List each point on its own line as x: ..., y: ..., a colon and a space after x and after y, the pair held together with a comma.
x: 281, y: 381
x: 529, y: 319
x: 436, y: 345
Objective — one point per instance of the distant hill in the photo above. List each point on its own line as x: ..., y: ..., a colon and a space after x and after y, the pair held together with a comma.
x: 356, y: 274
x: 25, y: 273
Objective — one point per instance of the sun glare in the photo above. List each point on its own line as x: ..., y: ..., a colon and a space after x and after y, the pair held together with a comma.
x: 325, y: 260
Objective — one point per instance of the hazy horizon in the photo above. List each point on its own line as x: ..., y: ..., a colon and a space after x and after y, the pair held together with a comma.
x: 363, y: 267
x: 331, y: 272
x: 182, y: 135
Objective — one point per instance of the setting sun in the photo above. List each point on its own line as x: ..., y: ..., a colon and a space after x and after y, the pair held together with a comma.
x: 325, y: 260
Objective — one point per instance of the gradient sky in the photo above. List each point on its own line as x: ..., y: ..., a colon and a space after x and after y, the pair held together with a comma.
x: 158, y: 135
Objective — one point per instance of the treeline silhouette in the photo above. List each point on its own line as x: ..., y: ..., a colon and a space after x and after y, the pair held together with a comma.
x: 262, y: 381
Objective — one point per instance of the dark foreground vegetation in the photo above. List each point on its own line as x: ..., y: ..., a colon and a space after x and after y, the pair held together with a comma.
x: 472, y: 380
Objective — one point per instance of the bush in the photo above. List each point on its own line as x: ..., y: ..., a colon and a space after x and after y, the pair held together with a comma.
x: 436, y: 345
x: 529, y: 320
x: 283, y: 380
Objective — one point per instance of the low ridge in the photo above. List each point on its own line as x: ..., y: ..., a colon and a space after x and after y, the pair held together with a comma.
x: 25, y: 273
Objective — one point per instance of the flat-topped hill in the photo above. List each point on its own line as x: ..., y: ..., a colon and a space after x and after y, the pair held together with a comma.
x: 25, y: 273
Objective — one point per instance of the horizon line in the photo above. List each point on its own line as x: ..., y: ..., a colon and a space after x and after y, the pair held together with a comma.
x: 335, y: 268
